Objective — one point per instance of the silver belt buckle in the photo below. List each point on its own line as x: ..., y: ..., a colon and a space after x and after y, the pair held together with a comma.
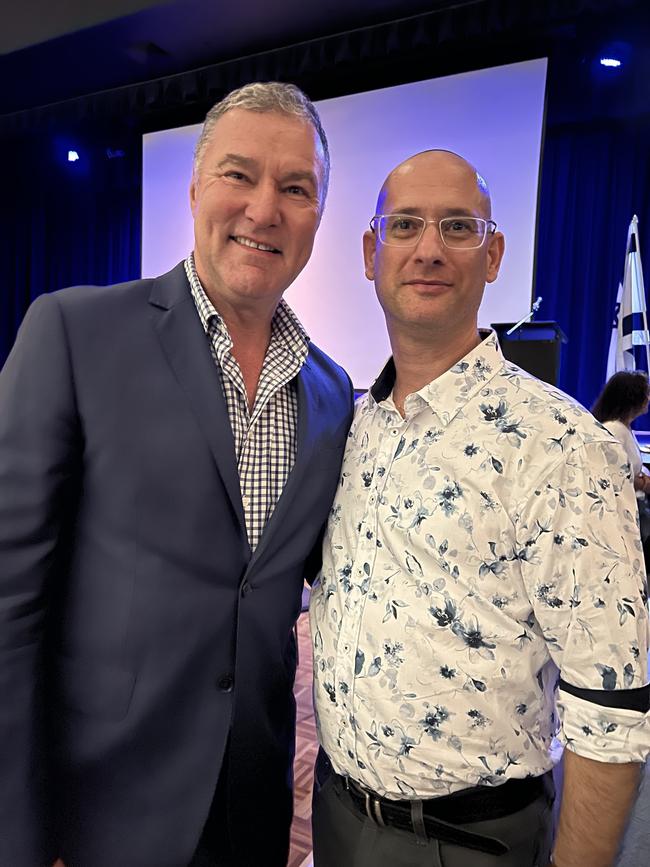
x: 372, y: 803
x: 375, y: 803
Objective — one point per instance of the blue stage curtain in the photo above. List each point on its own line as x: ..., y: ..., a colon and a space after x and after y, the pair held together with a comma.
x: 594, y: 179
x: 67, y: 223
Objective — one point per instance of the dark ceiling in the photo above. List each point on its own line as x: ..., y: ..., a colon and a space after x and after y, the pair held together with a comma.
x: 54, y: 51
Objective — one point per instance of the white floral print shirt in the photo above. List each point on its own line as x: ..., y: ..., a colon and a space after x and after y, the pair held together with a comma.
x: 482, y: 586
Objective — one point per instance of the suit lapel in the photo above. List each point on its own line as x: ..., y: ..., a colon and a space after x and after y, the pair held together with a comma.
x: 308, y: 430
x: 188, y: 353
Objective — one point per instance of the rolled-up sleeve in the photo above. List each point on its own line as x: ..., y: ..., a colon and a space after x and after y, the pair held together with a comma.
x: 582, y: 563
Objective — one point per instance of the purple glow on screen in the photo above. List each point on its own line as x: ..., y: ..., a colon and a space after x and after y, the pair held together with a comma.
x: 493, y: 117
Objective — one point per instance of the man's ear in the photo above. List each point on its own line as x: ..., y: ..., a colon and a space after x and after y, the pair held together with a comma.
x: 496, y: 249
x: 369, y: 248
x: 193, y: 195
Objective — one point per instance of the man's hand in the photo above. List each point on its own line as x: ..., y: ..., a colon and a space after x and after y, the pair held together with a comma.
x: 596, y: 800
x: 642, y: 482
x: 58, y: 863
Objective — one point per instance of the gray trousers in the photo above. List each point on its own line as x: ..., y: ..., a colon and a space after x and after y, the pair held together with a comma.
x: 343, y: 837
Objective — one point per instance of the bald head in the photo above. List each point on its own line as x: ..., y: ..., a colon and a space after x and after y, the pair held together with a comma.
x: 429, y: 284
x: 453, y: 168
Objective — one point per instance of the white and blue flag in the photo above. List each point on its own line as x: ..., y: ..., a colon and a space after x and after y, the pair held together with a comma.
x: 630, y: 342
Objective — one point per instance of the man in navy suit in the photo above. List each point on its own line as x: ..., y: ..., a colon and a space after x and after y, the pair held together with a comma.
x: 169, y: 449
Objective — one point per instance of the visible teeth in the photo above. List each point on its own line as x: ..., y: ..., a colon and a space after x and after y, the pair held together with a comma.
x: 254, y: 244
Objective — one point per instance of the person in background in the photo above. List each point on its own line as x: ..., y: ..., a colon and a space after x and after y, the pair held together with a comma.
x: 482, y: 582
x: 169, y: 450
x: 624, y: 398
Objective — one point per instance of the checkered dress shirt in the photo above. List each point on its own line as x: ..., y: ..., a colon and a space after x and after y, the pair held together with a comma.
x: 266, y: 438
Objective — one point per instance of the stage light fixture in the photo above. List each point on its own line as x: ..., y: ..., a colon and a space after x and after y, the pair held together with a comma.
x: 73, y: 156
x: 611, y: 62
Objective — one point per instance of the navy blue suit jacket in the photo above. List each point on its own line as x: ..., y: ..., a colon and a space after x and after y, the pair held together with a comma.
x: 137, y: 633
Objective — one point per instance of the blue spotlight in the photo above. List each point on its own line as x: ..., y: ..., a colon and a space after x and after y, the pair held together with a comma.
x: 612, y: 62
x: 73, y: 156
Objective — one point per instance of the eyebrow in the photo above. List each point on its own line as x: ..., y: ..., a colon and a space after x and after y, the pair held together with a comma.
x: 309, y: 177
x: 248, y: 162
x: 445, y: 212
x: 237, y: 159
x: 251, y: 164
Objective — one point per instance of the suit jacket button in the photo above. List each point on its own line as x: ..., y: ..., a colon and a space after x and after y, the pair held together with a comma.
x: 225, y: 683
x: 245, y: 589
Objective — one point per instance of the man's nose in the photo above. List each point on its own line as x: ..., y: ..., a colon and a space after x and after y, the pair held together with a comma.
x: 430, y: 246
x: 263, y: 206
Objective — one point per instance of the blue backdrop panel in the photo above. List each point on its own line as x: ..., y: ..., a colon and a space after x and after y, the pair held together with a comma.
x: 594, y: 178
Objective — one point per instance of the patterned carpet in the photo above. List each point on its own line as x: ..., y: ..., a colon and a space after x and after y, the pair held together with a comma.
x: 306, y: 748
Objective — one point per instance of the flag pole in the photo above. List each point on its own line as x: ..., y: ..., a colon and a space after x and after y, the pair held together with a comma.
x: 637, y: 262
x: 630, y: 327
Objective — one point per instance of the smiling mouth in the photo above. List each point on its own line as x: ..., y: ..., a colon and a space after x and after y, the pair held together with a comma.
x: 254, y: 245
x: 433, y: 283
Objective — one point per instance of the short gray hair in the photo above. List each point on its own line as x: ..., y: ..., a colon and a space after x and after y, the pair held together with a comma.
x: 267, y: 96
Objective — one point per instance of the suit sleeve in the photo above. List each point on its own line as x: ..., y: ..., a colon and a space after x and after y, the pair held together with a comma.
x: 38, y: 439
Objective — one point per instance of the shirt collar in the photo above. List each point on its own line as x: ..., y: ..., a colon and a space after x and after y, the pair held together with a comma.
x: 285, y: 325
x: 447, y: 394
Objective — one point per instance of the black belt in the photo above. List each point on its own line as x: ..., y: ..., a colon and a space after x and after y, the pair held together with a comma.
x: 438, y: 818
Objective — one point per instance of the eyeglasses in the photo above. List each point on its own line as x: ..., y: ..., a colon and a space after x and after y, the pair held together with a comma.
x: 457, y: 233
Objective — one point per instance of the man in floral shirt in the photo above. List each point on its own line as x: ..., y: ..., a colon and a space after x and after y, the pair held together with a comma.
x: 482, y: 585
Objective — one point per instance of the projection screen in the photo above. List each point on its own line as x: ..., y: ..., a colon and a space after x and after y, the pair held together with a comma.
x: 493, y: 117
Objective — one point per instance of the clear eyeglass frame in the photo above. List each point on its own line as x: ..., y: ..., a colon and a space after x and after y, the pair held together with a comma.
x: 485, y: 228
